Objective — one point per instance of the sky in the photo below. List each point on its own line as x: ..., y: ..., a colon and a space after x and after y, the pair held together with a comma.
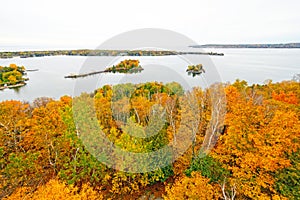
x: 88, y: 23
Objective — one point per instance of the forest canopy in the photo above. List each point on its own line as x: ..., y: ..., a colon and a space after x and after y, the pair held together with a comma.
x: 255, y: 157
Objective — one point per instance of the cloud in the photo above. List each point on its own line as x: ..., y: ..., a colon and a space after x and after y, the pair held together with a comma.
x: 89, y: 23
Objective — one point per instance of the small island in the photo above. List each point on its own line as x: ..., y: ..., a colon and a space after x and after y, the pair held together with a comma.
x: 195, y: 69
x: 126, y: 66
x: 12, y: 76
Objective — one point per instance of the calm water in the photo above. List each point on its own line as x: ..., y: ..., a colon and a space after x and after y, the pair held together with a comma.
x: 252, y: 65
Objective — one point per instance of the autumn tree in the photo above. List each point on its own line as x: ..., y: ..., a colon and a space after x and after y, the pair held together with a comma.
x: 194, y: 187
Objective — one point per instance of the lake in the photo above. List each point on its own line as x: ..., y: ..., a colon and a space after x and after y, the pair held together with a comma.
x: 252, y: 65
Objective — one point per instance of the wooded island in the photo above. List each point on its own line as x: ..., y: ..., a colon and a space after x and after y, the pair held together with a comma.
x: 12, y: 76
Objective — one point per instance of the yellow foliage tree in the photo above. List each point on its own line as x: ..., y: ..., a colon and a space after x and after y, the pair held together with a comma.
x: 57, y: 190
x: 259, y: 136
x: 194, y: 187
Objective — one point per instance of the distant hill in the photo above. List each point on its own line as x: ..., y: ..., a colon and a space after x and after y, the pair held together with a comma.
x: 286, y: 45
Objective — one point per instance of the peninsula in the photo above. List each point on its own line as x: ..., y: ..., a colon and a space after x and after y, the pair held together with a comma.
x: 126, y: 66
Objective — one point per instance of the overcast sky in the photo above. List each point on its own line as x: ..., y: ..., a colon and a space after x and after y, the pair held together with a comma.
x: 87, y: 23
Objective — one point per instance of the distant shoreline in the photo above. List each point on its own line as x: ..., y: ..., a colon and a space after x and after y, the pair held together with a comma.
x: 89, y: 52
x: 254, y: 46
